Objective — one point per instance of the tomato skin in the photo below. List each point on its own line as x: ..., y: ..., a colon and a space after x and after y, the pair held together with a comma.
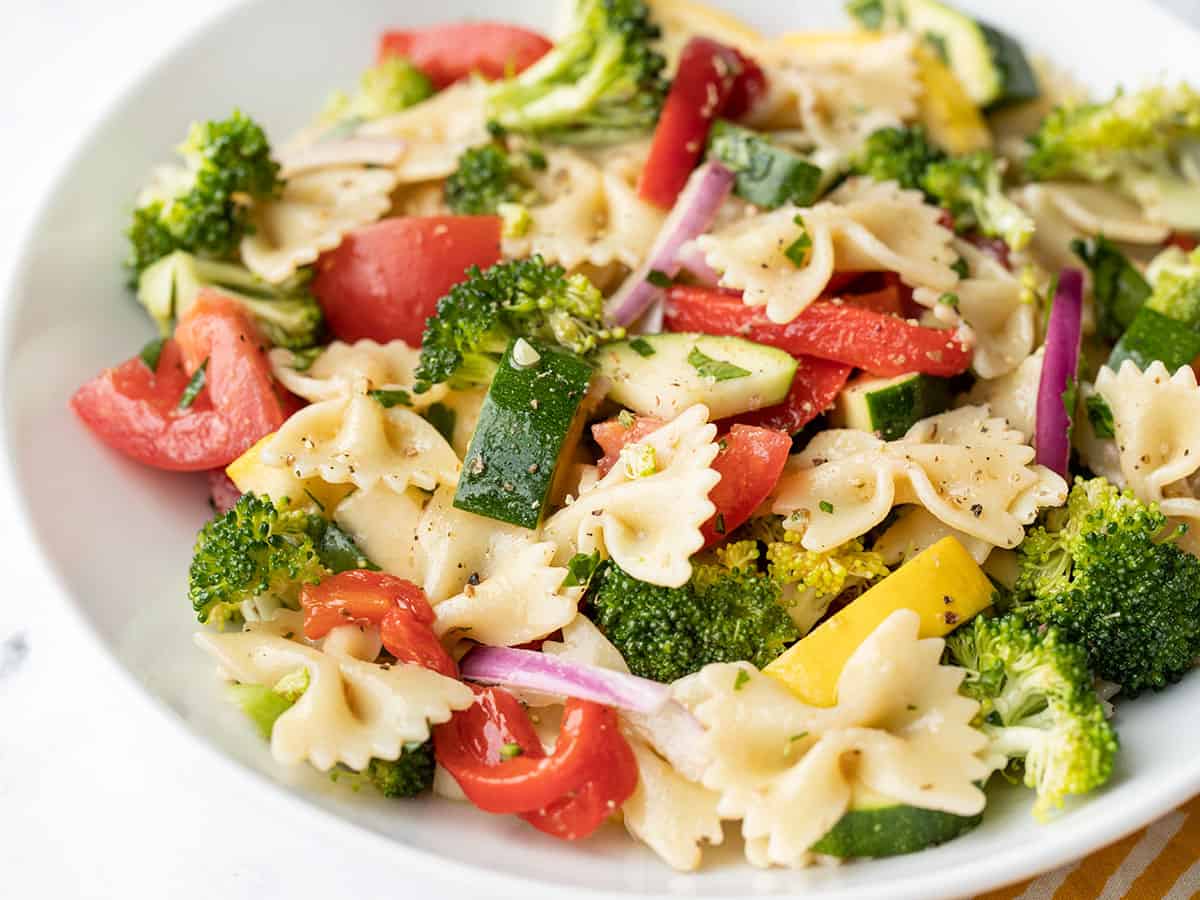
x: 699, y: 93
x: 814, y: 388
x: 137, y: 412
x: 612, y: 435
x: 449, y: 53
x: 749, y: 87
x: 384, y: 280
x: 876, y: 342
x: 1182, y: 240
x: 398, y: 607
x: 750, y: 462
x: 469, y: 746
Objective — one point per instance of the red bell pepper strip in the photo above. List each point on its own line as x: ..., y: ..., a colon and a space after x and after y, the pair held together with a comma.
x: 815, y: 387
x: 876, y: 342
x: 449, y: 53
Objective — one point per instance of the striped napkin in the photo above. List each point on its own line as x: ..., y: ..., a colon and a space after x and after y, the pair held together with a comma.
x: 1160, y: 862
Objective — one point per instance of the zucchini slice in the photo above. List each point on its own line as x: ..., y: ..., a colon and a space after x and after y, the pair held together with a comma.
x: 531, y: 419
x: 663, y: 374
x: 876, y: 826
x: 1152, y: 336
x: 888, y: 407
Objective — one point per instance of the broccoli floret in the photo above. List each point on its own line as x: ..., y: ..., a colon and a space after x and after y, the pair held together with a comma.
x: 204, y: 208
x: 266, y: 704
x: 388, y: 87
x: 287, y: 314
x: 1104, y: 570
x: 253, y: 556
x: 667, y: 633
x: 970, y: 187
x: 488, y: 177
x: 408, y: 776
x: 1175, y: 279
x: 601, y: 82
x: 1037, y: 705
x: 1147, y: 144
x: 526, y: 298
x: 898, y: 154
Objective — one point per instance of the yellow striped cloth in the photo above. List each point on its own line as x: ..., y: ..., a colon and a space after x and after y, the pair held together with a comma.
x: 1160, y: 862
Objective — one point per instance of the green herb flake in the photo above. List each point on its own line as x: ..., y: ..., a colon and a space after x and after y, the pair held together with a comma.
x: 798, y: 250
x: 659, y: 279
x: 948, y: 299
x: 151, y: 352
x: 798, y: 737
x: 716, y: 369
x: 389, y: 398
x: 194, y: 386
x: 1100, y: 414
x: 960, y: 268
x: 443, y: 418
x: 741, y: 681
x: 826, y: 506
x: 1070, y: 398
x: 581, y: 568
x: 719, y: 524
x: 510, y: 751
x: 642, y: 347
x: 626, y: 419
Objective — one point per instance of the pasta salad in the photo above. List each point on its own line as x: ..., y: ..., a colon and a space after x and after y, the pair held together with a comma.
x: 670, y: 424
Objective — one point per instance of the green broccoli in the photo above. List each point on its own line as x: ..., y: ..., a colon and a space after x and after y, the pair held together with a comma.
x: 667, y: 633
x: 490, y: 176
x: 1037, y: 705
x: 1103, y: 570
x: 970, y: 187
x: 600, y: 83
x: 408, y: 776
x: 1146, y: 144
x: 1174, y: 277
x: 204, y: 208
x: 388, y: 87
x: 288, y: 315
x: 527, y: 298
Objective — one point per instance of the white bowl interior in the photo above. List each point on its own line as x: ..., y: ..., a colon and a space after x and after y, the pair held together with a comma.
x: 70, y: 316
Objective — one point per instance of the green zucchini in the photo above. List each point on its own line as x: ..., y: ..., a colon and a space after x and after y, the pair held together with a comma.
x: 663, y: 374
x: 531, y: 419
x: 876, y: 827
x: 888, y: 407
x: 991, y: 65
x: 764, y: 174
x: 1153, y: 335
x: 1117, y: 286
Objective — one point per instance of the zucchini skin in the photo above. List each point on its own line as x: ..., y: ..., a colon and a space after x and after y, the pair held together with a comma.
x: 1152, y: 336
x: 892, y: 831
x: 1019, y: 81
x: 527, y: 418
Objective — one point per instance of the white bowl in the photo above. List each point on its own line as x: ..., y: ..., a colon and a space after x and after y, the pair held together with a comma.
x: 68, y: 315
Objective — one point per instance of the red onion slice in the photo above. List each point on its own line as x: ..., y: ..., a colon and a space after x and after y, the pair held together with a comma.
x: 548, y: 674
x: 1059, y: 369
x: 691, y: 216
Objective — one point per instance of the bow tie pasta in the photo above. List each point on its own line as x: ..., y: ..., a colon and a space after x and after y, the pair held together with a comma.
x: 967, y: 468
x: 351, y: 710
x: 900, y: 729
x: 623, y: 515
x: 341, y: 369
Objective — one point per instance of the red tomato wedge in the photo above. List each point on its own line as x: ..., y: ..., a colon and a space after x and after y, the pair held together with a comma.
x: 815, y: 387
x: 750, y: 463
x: 136, y: 411
x: 399, y: 607
x: 748, y: 88
x: 383, y: 281
x: 493, y: 753
x: 700, y: 92
x: 449, y: 53
x: 878, y: 343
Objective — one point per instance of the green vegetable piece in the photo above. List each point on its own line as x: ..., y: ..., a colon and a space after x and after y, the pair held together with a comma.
x: 389, y: 398
x: 487, y: 178
x: 194, y: 386
x: 390, y: 86
x: 765, y: 174
x: 642, y: 347
x: 335, y: 549
x: 580, y: 569
x: 716, y: 369
x: 443, y: 418
x: 881, y: 828
x: 1154, y: 336
x: 261, y: 704
x: 1100, y: 416
x: 151, y: 352
x: 1118, y: 288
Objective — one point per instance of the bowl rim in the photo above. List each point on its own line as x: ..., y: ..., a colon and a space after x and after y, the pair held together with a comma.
x: 1020, y: 863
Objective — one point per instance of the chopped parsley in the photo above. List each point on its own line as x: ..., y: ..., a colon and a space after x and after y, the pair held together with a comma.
x: 797, y: 250
x: 194, y: 386
x: 581, y: 568
x: 443, y: 418
x: 389, y: 398
x: 741, y: 680
x: 716, y: 369
x: 826, y: 506
x: 151, y: 352
x: 659, y: 278
x: 642, y: 347
x: 1100, y: 414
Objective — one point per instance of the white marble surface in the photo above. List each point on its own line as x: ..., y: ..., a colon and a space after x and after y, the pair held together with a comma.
x: 100, y: 796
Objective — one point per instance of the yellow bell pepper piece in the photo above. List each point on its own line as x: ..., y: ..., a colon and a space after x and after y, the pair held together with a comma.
x: 943, y: 585
x: 252, y: 475
x: 947, y: 112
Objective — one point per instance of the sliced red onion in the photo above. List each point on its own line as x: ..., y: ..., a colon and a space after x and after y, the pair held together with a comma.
x: 691, y: 216
x: 691, y: 257
x: 1059, y: 369
x: 548, y: 674
x: 223, y: 492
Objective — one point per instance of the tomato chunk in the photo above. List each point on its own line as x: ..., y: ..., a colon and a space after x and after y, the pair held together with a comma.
x: 493, y: 753
x: 449, y: 53
x: 878, y: 343
x: 815, y: 387
x: 613, y: 434
x: 137, y: 411
x: 398, y: 607
x: 700, y: 92
x: 383, y: 281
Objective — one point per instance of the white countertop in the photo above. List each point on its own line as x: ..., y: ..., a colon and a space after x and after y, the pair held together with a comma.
x: 100, y: 794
